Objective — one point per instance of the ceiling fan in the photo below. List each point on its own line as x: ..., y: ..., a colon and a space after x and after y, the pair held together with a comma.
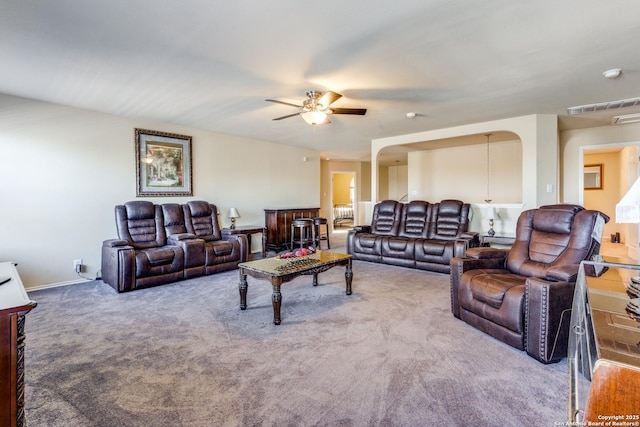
x: 317, y: 106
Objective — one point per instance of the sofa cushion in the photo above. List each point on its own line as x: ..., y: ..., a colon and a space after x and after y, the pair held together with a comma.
x: 158, y: 261
x: 491, y: 286
x: 502, y: 303
x: 222, y: 247
x: 366, y: 241
x: 397, y: 247
x: 159, y: 256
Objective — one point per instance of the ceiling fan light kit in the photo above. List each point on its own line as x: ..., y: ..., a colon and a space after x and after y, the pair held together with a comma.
x: 314, y: 117
x: 316, y: 107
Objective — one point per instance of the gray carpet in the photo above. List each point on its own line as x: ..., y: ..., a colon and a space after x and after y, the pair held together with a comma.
x: 184, y: 354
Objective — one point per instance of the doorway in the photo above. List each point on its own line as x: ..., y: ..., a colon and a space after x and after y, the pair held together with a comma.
x: 343, y: 201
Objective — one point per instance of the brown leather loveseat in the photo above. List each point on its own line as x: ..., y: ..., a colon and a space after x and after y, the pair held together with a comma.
x: 523, y: 296
x: 160, y: 244
x: 417, y: 234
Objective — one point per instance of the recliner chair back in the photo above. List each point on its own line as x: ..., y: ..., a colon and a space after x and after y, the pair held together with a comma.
x: 140, y: 223
x: 449, y: 219
x: 201, y: 219
x: 174, y: 222
x: 386, y: 218
x: 552, y: 237
x: 415, y: 215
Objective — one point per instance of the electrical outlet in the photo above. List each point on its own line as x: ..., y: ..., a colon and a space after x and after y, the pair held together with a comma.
x: 77, y: 265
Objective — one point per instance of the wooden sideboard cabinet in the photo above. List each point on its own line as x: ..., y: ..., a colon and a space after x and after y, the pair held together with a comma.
x: 14, y: 305
x: 604, y: 347
x: 278, y: 224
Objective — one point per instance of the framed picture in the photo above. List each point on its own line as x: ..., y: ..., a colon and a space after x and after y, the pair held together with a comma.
x: 163, y: 164
x: 593, y: 177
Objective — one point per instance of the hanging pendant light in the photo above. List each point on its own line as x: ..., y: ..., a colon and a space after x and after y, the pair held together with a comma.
x: 492, y: 210
x: 488, y: 199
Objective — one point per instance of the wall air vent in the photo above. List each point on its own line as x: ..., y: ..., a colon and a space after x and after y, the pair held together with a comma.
x: 603, y: 106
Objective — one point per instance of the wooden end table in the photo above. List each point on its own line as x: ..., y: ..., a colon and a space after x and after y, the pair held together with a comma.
x: 486, y: 240
x: 248, y: 230
x: 279, y: 271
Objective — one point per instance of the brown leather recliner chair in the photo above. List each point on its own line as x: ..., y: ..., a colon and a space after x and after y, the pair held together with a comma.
x: 523, y: 296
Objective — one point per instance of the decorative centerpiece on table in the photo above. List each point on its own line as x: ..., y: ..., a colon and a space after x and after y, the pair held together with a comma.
x: 296, y: 253
x: 296, y: 258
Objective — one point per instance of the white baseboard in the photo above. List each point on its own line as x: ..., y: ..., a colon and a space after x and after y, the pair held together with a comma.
x: 56, y: 285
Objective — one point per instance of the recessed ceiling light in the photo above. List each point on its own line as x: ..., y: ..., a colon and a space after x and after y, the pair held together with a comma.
x: 614, y: 73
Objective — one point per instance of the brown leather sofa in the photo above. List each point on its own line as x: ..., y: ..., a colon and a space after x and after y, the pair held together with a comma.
x: 523, y: 296
x: 417, y: 234
x: 160, y: 244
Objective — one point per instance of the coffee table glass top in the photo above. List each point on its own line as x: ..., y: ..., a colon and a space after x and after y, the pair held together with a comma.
x: 282, y: 267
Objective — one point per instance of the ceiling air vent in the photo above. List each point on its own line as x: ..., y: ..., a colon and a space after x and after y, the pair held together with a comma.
x: 603, y: 106
x: 627, y: 118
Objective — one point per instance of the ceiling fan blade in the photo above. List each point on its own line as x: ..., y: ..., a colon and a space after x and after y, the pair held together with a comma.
x: 286, y: 117
x: 277, y: 101
x: 356, y: 111
x: 329, y: 98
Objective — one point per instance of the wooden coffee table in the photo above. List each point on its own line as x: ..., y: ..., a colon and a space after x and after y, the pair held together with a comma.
x: 280, y: 271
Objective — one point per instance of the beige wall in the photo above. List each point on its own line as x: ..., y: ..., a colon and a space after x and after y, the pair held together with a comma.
x: 537, y: 133
x: 63, y: 171
x: 398, y: 182
x: 342, y: 187
x: 461, y: 173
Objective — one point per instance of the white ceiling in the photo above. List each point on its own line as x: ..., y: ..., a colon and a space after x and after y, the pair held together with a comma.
x: 211, y: 64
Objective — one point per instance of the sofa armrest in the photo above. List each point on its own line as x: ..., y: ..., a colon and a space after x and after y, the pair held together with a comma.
x: 564, y: 273
x: 487, y: 253
x: 112, y: 243
x: 473, y: 237
x: 244, y: 244
x: 118, y: 265
x: 362, y: 229
x: 192, y: 248
x: 547, y: 318
x: 465, y: 241
x: 182, y: 236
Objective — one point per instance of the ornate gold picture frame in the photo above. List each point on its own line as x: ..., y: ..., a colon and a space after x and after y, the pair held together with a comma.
x: 163, y: 164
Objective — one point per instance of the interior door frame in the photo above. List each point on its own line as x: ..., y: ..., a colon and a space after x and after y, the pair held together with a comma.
x: 633, y: 234
x: 355, y: 194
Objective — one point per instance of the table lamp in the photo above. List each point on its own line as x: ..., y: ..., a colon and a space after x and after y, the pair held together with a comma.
x: 233, y: 214
x: 491, y: 215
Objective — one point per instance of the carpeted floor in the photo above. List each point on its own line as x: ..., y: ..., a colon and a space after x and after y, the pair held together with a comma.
x: 390, y: 354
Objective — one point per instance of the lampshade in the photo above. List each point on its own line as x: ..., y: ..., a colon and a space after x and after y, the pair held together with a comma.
x: 491, y: 214
x: 233, y: 213
x: 314, y: 117
x: 628, y: 208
